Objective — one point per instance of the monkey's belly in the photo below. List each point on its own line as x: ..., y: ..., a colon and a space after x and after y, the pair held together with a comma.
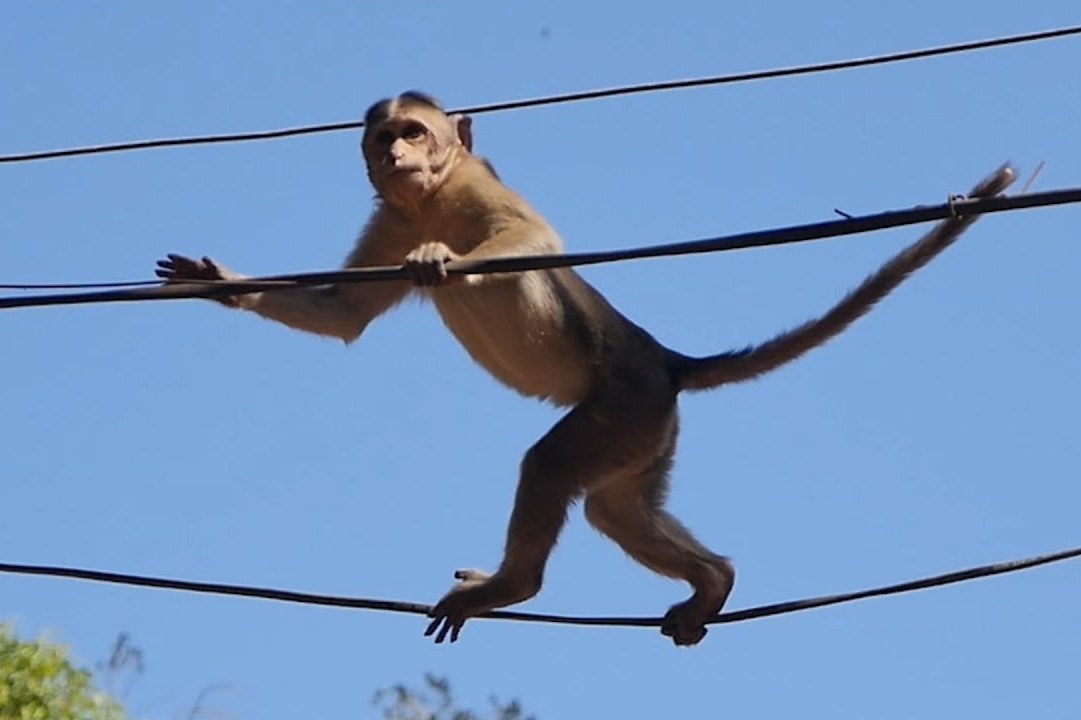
x: 514, y: 329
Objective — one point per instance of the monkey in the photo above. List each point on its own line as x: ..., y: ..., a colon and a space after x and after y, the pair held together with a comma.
x: 547, y: 334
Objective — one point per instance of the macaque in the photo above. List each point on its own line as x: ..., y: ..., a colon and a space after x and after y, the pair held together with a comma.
x: 547, y: 334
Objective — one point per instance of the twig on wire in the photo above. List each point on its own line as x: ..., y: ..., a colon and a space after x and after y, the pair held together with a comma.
x: 1032, y: 178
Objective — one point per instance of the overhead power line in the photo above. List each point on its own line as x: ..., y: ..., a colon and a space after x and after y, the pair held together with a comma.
x: 303, y: 598
x: 791, y: 234
x: 564, y: 98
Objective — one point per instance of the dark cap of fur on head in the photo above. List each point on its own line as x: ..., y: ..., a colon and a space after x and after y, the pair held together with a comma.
x: 381, y: 110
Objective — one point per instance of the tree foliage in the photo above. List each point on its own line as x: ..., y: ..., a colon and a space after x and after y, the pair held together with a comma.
x: 39, y: 682
x: 435, y: 702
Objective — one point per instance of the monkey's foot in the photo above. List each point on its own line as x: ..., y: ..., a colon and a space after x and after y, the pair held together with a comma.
x: 685, y: 624
x: 469, y: 598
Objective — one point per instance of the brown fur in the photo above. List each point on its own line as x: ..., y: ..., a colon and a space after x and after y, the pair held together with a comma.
x: 546, y: 334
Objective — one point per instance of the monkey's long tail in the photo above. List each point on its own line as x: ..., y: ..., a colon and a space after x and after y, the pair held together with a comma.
x: 734, y: 366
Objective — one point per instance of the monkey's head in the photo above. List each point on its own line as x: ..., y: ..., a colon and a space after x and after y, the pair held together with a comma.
x: 411, y: 145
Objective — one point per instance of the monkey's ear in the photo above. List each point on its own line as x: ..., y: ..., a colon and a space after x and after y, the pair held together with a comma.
x: 464, y: 126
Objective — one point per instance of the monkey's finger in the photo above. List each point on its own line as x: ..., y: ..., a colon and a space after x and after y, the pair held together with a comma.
x: 431, y: 273
x: 172, y: 274
x: 175, y: 266
x: 210, y: 267
x: 414, y: 273
x: 179, y: 259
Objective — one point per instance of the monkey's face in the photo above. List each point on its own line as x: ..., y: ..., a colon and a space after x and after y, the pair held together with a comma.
x: 410, y: 153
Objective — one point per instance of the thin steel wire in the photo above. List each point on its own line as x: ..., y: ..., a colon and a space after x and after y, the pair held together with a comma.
x: 559, y: 99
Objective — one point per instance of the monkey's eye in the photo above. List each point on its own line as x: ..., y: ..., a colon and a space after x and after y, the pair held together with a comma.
x: 384, y: 137
x: 414, y: 131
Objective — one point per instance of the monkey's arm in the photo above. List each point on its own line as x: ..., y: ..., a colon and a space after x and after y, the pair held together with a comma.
x: 341, y: 311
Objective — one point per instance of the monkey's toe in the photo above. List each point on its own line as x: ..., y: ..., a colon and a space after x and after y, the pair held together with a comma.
x: 444, y: 624
x: 447, y: 617
x: 469, y: 575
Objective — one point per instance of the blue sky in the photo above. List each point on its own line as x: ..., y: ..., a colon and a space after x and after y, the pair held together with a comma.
x: 185, y: 440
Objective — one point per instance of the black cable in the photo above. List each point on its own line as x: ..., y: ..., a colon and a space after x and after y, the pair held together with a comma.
x: 397, y: 606
x: 558, y: 99
x: 762, y: 238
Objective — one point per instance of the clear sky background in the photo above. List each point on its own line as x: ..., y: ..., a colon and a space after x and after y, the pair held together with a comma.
x: 185, y: 440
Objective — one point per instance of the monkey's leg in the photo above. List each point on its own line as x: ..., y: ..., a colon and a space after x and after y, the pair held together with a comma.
x: 630, y: 513
x: 596, y: 440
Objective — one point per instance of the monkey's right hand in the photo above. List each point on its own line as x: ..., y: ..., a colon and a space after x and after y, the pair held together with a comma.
x: 178, y: 268
x: 426, y: 264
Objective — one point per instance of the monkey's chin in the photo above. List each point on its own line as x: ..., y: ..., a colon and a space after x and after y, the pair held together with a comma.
x: 406, y: 190
x: 408, y: 180
x: 406, y: 171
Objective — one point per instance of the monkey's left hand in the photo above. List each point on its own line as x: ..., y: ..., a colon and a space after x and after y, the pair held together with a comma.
x: 426, y: 264
x: 178, y: 268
